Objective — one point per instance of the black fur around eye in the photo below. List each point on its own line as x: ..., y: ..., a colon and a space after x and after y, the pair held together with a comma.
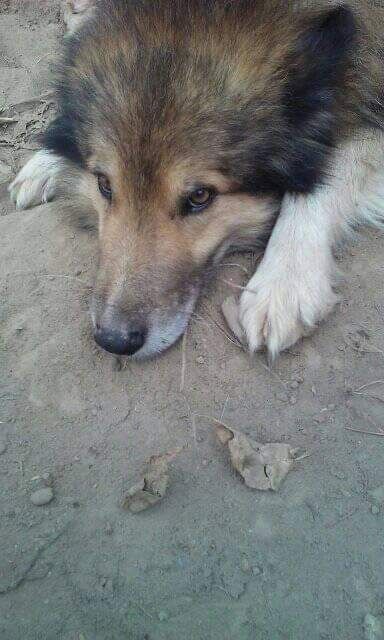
x: 104, y: 186
x: 199, y: 200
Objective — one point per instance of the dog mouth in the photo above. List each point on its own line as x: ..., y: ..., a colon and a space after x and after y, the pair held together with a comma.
x: 145, y: 334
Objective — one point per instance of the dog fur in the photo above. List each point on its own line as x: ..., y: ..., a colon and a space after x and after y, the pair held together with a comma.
x: 275, y: 105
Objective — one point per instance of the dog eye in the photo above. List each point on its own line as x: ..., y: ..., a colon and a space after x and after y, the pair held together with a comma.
x: 199, y: 199
x: 104, y: 186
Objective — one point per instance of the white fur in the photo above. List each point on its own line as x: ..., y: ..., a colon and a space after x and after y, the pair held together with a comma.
x: 76, y: 12
x: 38, y: 180
x: 292, y: 290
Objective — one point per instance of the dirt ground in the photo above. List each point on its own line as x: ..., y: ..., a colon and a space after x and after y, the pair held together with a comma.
x: 214, y: 560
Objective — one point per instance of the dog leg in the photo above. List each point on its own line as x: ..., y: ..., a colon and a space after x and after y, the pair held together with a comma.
x: 292, y: 290
x: 38, y: 181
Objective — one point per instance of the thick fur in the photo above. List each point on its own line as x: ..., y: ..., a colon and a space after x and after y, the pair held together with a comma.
x: 274, y: 104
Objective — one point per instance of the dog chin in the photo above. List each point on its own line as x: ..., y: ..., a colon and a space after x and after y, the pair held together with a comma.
x: 164, y: 330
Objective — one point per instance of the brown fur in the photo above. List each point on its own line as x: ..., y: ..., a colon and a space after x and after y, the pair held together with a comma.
x: 165, y: 96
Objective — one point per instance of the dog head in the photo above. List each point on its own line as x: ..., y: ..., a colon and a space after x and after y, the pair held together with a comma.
x: 191, y: 120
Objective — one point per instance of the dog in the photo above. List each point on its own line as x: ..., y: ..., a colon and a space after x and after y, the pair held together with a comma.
x: 201, y: 126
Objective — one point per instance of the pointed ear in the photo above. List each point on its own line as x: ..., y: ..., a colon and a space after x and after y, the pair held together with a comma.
x: 317, y: 70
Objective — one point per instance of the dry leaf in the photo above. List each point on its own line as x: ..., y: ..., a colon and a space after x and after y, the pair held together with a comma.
x: 230, y: 309
x: 152, y: 486
x: 263, y: 466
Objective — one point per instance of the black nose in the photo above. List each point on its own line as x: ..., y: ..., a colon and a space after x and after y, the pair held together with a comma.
x: 122, y: 343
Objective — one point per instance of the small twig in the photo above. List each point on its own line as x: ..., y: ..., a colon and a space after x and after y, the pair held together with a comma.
x: 272, y: 373
x: 217, y: 324
x: 4, y: 120
x: 143, y: 610
x: 225, y: 591
x: 235, y: 286
x: 370, y: 384
x: 193, y: 420
x: 183, y: 361
x: 234, y: 264
x: 369, y: 395
x: 367, y: 433
x: 224, y: 408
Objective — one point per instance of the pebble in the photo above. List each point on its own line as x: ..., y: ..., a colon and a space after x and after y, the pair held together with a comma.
x: 377, y: 495
x: 373, y: 627
x: 200, y: 360
x: 375, y: 510
x: 47, y: 478
x: 294, y: 384
x: 163, y: 616
x: 3, y: 445
x: 246, y: 566
x: 42, y: 496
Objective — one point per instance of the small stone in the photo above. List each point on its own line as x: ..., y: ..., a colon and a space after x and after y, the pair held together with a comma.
x: 246, y: 566
x: 373, y: 627
x: 163, y: 616
x: 200, y: 360
x: 47, y: 479
x: 3, y: 445
x: 375, y: 510
x: 294, y: 384
x: 377, y: 495
x: 321, y: 419
x: 42, y: 497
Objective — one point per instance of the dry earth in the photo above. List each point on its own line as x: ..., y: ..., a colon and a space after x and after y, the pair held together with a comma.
x: 214, y: 559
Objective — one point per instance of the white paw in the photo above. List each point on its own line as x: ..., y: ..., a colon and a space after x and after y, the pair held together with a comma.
x: 75, y: 12
x: 280, y: 306
x: 36, y: 183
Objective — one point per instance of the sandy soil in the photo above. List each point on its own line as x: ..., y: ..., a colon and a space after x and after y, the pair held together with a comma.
x: 214, y: 560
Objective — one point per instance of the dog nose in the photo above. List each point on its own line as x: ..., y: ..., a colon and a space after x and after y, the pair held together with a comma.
x: 122, y: 343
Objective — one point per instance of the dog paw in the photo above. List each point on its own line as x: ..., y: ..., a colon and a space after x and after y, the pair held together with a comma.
x: 75, y: 12
x: 276, y: 310
x: 36, y: 183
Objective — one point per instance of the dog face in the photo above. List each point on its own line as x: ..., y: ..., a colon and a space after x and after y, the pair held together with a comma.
x: 158, y: 239
x: 190, y: 131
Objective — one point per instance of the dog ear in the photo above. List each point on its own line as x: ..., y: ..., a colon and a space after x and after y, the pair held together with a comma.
x: 317, y: 69
x: 60, y: 138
